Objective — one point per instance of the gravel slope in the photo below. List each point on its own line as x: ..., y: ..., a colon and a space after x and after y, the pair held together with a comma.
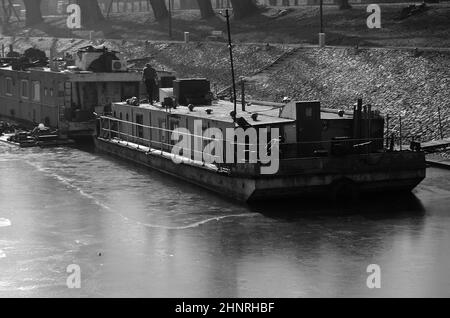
x: 414, y: 84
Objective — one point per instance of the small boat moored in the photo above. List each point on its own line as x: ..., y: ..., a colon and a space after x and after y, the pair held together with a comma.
x: 40, y: 136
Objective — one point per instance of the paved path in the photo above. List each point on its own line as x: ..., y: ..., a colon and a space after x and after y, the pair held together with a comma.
x: 445, y: 163
x: 435, y: 144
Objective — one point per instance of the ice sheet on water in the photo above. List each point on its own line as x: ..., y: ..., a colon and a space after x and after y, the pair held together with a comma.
x: 4, y: 222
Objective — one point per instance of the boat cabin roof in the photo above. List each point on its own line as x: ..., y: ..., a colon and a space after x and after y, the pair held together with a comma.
x: 83, y: 76
x: 221, y: 112
x: 267, y: 114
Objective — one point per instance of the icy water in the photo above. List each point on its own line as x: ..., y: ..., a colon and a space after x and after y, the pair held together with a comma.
x: 138, y: 233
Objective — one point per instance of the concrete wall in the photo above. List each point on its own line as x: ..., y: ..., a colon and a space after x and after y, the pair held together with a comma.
x: 142, y: 6
x: 57, y: 7
x: 293, y: 3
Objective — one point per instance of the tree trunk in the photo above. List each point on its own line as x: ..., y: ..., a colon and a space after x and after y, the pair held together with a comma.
x: 5, y: 13
x: 206, y: 8
x: 90, y: 12
x: 159, y: 9
x: 243, y: 8
x: 33, y: 12
x: 344, y: 5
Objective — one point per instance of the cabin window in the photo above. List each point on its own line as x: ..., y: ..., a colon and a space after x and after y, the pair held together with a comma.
x: 174, y: 124
x: 150, y: 130
x: 162, y: 131
x: 308, y: 112
x: 8, y: 86
x: 61, y: 89
x: 139, y: 128
x: 45, y: 92
x: 51, y: 92
x: 36, y: 91
x: 24, y: 93
x: 120, y: 115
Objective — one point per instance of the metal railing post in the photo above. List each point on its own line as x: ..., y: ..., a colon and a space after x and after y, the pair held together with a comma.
x: 387, y: 131
x: 109, y: 128
x: 128, y: 135
x: 100, y: 130
x: 400, y: 131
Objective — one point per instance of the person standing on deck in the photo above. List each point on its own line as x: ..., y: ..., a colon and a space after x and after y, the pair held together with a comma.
x: 150, y: 78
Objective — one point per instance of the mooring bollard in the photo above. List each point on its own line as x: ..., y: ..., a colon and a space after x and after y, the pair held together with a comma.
x: 321, y: 39
x: 186, y: 37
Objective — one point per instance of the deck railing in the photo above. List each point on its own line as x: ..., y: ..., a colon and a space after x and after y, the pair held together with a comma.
x: 160, y: 139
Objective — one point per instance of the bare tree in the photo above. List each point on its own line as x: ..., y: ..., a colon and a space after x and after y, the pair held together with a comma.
x: 90, y: 12
x: 159, y: 9
x: 206, y: 8
x: 33, y: 12
x: 344, y: 5
x: 6, y: 14
x: 243, y: 8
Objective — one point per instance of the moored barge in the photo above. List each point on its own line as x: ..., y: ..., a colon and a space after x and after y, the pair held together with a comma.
x: 320, y: 151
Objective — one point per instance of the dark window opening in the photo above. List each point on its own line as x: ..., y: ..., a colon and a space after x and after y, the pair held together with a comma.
x: 139, y: 128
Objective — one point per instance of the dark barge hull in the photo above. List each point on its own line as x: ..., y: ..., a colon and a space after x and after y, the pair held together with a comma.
x: 383, y: 172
